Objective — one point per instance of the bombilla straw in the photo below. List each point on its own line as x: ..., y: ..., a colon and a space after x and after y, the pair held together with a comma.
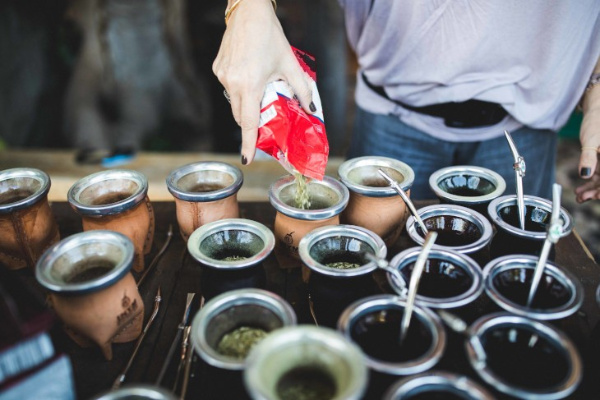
x: 519, y: 167
x: 121, y: 378
x: 400, y: 287
x: 415, y: 277
x: 406, y: 199
x: 554, y: 232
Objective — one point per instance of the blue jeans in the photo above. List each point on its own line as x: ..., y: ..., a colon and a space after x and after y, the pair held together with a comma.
x: 386, y: 135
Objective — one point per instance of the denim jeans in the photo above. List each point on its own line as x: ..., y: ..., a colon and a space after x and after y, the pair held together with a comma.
x: 386, y: 135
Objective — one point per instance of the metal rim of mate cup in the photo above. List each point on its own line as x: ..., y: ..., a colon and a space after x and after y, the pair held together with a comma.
x: 539, y: 205
x: 313, y: 246
x: 137, y: 392
x: 455, y: 260
x: 452, y: 210
x: 362, y: 308
x: 438, y: 382
x: 214, y: 238
x: 354, y: 173
x: 34, y: 181
x: 551, y: 336
x: 61, y: 262
x: 242, y: 307
x: 495, y: 268
x: 329, y: 191
x: 84, y: 194
x: 306, y: 347
x: 226, y: 177
x: 444, y: 180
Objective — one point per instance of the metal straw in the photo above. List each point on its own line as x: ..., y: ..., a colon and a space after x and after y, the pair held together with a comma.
x: 187, y: 362
x: 415, y: 277
x: 554, y: 232
x: 406, y: 199
x: 381, y: 263
x: 458, y: 325
x: 121, y: 378
x: 180, y: 329
x: 158, y: 255
x: 519, y: 167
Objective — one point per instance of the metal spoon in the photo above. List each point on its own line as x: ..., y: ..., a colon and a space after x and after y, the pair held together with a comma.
x: 158, y: 255
x: 406, y: 199
x: 554, y: 232
x: 121, y: 378
x: 519, y: 167
x: 415, y: 277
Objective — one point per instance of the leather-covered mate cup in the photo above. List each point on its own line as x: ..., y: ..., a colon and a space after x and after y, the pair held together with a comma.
x: 117, y: 200
x: 92, y: 289
x: 204, y: 192
x: 27, y: 225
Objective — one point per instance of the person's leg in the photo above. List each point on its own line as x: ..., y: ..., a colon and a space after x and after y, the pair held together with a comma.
x: 387, y: 136
x: 538, y: 148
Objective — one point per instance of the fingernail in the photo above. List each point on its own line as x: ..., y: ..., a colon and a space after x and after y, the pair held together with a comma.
x: 584, y: 172
x: 312, y: 107
x: 244, y: 160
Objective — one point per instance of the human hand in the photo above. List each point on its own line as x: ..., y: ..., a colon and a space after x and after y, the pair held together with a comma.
x: 254, y: 51
x: 589, y: 168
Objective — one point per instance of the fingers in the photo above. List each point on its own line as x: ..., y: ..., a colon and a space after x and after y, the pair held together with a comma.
x: 302, y: 87
x: 249, y: 114
x: 588, y: 161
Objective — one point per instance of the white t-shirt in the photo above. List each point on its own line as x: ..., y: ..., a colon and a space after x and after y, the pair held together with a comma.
x: 534, y: 57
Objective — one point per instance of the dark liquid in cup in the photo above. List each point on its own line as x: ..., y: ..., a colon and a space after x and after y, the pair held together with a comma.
x: 306, y: 383
x: 536, y: 219
x: 440, y: 279
x: 378, y: 334
x: 109, y: 198
x: 375, y: 182
x: 515, y: 284
x: 206, y: 187
x: 466, y: 185
x: 436, y: 395
x: 525, y: 359
x: 452, y: 231
x: 90, y: 270
x: 12, y: 196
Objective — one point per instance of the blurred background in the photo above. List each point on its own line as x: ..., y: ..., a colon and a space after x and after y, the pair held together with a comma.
x: 122, y: 76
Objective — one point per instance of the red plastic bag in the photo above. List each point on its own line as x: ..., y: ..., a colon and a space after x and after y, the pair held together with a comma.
x: 286, y: 132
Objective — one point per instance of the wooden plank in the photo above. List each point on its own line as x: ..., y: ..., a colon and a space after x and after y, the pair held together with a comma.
x: 64, y: 172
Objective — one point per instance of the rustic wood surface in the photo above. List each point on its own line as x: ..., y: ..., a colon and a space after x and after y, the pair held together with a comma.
x: 177, y: 274
x: 61, y: 167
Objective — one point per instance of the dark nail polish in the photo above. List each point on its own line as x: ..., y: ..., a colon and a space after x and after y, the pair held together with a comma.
x: 312, y: 107
x: 585, y: 172
x: 244, y: 160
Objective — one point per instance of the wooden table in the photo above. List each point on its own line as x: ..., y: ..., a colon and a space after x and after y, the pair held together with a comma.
x: 177, y: 274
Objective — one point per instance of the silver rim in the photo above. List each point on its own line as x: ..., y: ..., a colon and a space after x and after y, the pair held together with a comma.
x: 328, y: 346
x: 229, y: 300
x: 369, y: 165
x: 511, y: 200
x: 426, y: 316
x: 338, y: 195
x: 232, y: 174
x: 40, y: 189
x: 454, y: 210
x: 505, y: 263
x: 78, y: 189
x: 231, y: 224
x: 98, y: 242
x: 138, y: 391
x: 371, y: 239
x: 482, y: 325
x: 444, y: 173
x: 437, y: 381
x: 463, y: 261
